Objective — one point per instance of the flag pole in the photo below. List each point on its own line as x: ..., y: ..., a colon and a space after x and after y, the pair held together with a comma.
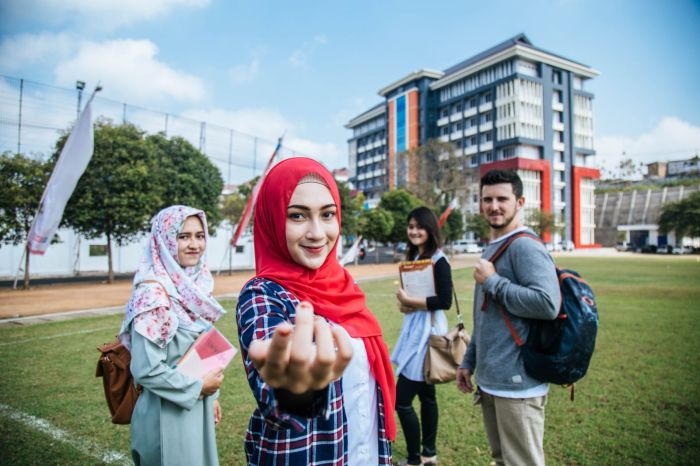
x: 248, y: 210
x: 27, y: 248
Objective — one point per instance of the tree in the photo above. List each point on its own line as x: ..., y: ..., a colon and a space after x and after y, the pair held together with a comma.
x: 351, y: 206
x: 22, y: 182
x: 478, y: 225
x: 436, y: 172
x: 188, y: 177
x: 399, y: 203
x: 542, y: 222
x: 377, y: 225
x: 121, y: 189
x: 683, y: 217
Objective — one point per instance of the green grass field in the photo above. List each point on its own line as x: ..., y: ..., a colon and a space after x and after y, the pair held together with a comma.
x: 639, y: 403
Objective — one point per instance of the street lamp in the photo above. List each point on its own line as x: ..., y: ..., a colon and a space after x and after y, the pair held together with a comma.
x: 79, y: 85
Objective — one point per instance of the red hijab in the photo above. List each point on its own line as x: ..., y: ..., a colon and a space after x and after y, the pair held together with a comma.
x: 330, y: 288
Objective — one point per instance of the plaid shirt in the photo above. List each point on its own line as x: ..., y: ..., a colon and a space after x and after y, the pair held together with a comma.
x: 278, y: 438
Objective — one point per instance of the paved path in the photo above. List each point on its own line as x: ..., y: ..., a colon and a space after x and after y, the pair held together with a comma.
x: 64, y: 301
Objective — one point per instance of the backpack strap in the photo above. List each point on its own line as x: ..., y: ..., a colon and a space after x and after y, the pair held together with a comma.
x: 494, y: 257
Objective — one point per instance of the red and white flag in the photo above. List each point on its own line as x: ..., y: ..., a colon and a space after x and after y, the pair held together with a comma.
x: 71, y: 164
x: 248, y: 211
x: 454, y: 203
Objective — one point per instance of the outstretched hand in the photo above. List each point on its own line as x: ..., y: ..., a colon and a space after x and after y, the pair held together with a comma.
x: 302, y: 357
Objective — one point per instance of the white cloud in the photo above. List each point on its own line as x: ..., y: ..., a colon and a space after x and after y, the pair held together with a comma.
x: 129, y: 70
x: 102, y: 14
x: 22, y: 50
x: 300, y: 56
x: 671, y: 139
x: 245, y: 72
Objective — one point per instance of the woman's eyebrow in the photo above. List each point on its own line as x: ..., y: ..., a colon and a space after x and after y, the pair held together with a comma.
x: 304, y: 207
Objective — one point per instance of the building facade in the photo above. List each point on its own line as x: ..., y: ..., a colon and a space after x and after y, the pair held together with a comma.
x: 513, y: 106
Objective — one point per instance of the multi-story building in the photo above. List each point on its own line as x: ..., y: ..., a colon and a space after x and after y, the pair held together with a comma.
x: 513, y: 106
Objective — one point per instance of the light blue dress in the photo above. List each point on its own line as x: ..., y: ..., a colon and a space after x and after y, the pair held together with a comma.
x: 409, y: 352
x: 170, y: 425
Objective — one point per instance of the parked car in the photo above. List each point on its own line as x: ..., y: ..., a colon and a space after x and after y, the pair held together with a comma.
x: 468, y: 247
x: 681, y: 250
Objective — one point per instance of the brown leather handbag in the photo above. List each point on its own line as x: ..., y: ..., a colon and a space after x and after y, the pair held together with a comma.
x: 445, y: 352
x: 120, y: 391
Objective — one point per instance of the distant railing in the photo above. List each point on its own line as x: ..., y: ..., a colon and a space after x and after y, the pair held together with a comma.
x: 34, y: 115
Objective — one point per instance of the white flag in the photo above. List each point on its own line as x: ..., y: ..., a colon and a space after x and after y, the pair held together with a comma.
x: 352, y: 252
x: 70, y: 166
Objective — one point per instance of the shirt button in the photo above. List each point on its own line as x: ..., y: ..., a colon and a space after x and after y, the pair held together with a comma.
x: 363, y: 450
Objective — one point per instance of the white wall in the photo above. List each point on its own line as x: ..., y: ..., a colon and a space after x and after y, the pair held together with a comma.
x: 72, y: 255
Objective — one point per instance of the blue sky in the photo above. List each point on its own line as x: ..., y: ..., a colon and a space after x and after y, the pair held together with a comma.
x: 306, y: 68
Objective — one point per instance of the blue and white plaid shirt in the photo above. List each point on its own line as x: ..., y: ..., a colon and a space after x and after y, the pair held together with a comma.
x: 275, y: 437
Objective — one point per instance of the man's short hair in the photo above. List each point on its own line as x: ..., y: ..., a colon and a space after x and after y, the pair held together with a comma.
x: 503, y: 176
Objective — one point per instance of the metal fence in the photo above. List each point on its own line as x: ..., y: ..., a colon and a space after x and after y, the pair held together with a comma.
x: 34, y: 115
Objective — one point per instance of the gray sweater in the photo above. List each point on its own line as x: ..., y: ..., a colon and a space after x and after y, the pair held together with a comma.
x: 526, y: 285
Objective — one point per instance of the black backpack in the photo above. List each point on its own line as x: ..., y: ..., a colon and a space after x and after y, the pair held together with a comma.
x: 560, y: 350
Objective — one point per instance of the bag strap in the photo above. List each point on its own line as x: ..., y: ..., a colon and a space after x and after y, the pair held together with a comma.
x: 460, y: 320
x: 494, y: 257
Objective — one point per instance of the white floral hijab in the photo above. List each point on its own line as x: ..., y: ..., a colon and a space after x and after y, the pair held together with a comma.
x: 177, y: 296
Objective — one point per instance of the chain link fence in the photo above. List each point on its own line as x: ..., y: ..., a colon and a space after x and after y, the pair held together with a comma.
x: 33, y: 116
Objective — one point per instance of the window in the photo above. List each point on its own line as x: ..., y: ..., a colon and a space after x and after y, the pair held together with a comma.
x: 474, y: 161
x: 562, y: 176
x: 457, y: 108
x: 556, y: 77
x: 444, y: 112
x: 486, y: 117
x: 98, y: 250
x: 486, y: 137
x: 486, y: 98
x: 487, y: 157
x: 444, y: 130
x: 558, y: 96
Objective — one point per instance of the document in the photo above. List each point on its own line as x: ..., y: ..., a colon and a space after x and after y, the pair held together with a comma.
x: 211, y: 350
x: 417, y: 278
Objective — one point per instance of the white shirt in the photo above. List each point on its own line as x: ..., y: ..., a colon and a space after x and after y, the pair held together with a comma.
x: 360, y: 403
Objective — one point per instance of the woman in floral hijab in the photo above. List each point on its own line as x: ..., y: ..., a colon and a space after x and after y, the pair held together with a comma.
x: 171, y: 304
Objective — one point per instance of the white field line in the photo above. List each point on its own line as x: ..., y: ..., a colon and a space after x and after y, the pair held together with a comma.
x: 86, y: 447
x: 58, y: 335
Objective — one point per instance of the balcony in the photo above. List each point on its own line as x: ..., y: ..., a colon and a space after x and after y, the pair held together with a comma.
x: 484, y: 146
x: 470, y: 112
x: 472, y: 130
x: 443, y: 121
x: 456, y: 135
x: 557, y: 126
x: 486, y: 126
x: 471, y: 150
x: 444, y: 138
x: 557, y: 145
x: 558, y: 106
x: 485, y: 107
x: 456, y: 116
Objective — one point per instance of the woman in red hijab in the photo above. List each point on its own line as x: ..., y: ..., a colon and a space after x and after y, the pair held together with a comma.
x: 313, y: 352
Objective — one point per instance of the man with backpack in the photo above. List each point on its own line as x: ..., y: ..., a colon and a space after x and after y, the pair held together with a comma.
x: 520, y: 286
